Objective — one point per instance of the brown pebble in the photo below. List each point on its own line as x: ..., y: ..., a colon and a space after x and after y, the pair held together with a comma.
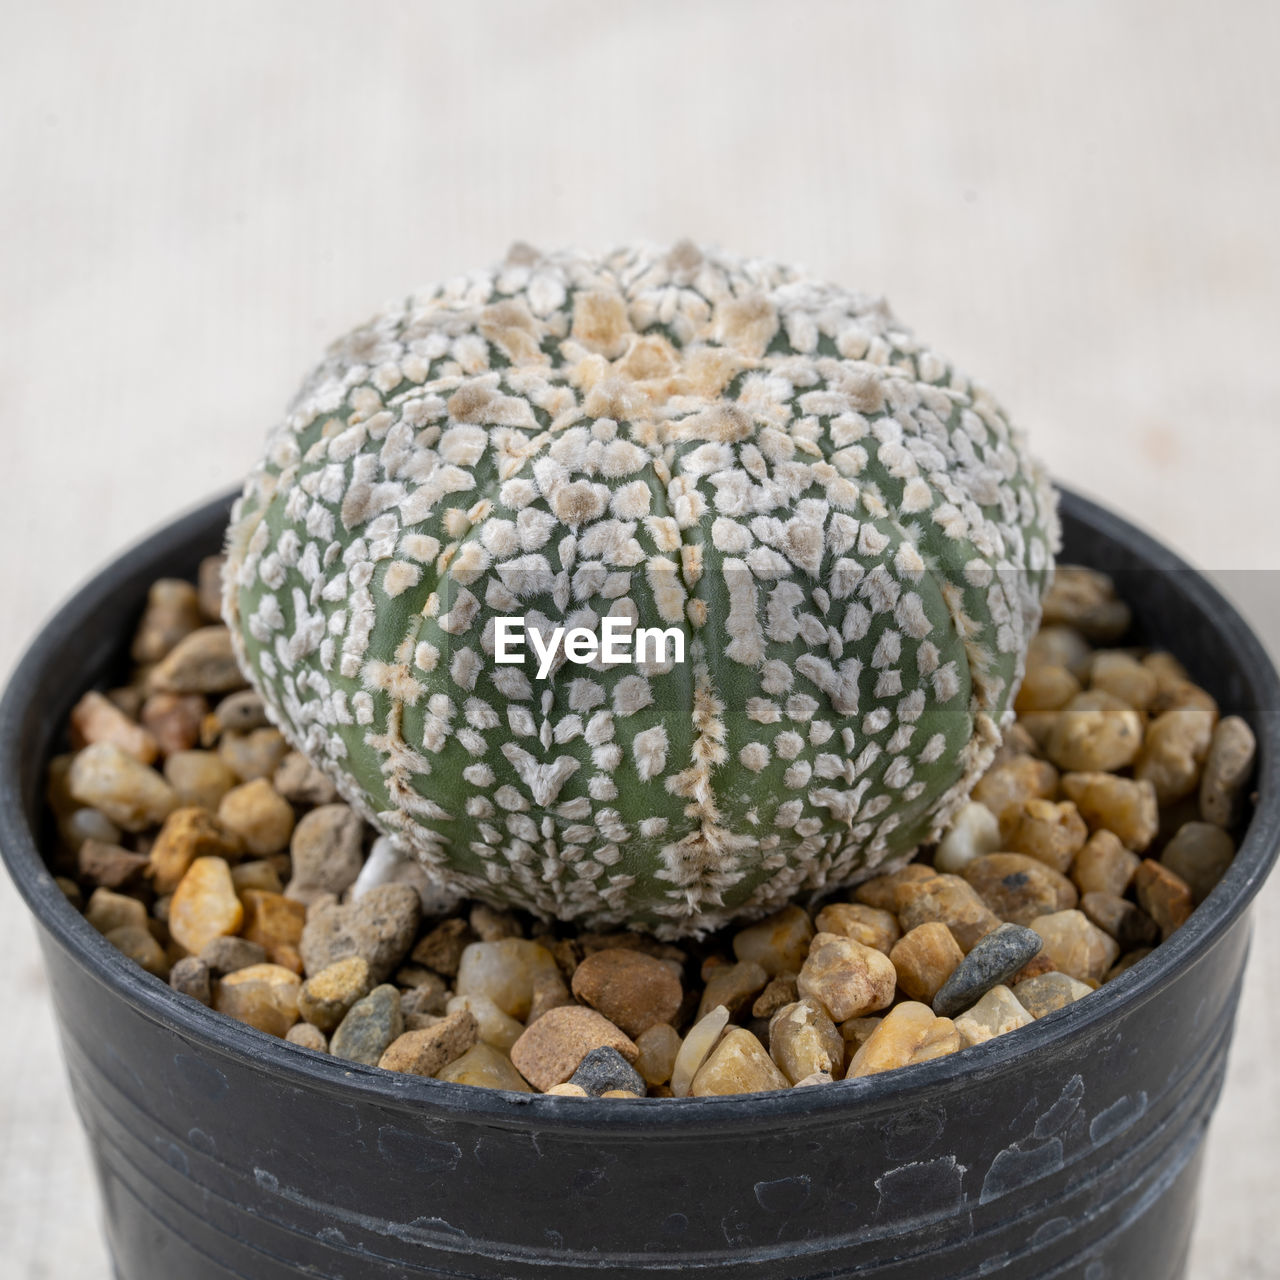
x: 1126, y: 922
x: 1125, y: 806
x: 737, y: 1064
x: 483, y: 1066
x: 424, y: 1052
x: 209, y: 587
x: 780, y: 991
x: 307, y: 1036
x: 1047, y: 686
x: 910, y: 1032
x: 252, y: 755
x: 1048, y: 992
x: 491, y: 925
x: 227, y: 955
x: 657, y: 1049
x: 1123, y: 676
x: 950, y: 901
x: 1126, y: 962
x: 1174, y: 752
x: 1051, y: 833
x: 258, y: 873
x: 882, y: 891
x: 549, y: 992
x: 327, y: 851
x: 871, y: 926
x: 108, y: 865
x: 264, y: 995
x: 804, y: 1040
x: 129, y: 793
x: 301, y: 783
x: 778, y: 943
x: 173, y: 720
x: 441, y: 948
x: 1104, y: 865
x: 996, y: 1014
x: 632, y: 990
x: 190, y: 977
x: 846, y: 978
x: 1018, y: 887
x: 188, y: 834
x: 275, y: 923
x: 202, y: 662
x: 1164, y: 896
x: 327, y: 997
x: 549, y: 1051
x: 140, y: 945
x: 199, y: 779
x: 1086, y: 600
x: 205, y: 905
x: 1200, y: 853
x: 924, y: 958
x: 1012, y: 783
x: 1227, y: 767
x: 97, y: 719
x: 1076, y: 945
x: 261, y: 818
x: 732, y: 985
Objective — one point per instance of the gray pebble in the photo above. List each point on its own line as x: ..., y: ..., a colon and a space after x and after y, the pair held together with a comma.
x: 380, y: 928
x: 227, y: 955
x: 327, y: 850
x: 994, y: 959
x: 605, y: 1068
x: 241, y: 712
x: 371, y: 1025
x: 190, y: 977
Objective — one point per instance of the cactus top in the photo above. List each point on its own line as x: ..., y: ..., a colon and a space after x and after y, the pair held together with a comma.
x: 847, y: 535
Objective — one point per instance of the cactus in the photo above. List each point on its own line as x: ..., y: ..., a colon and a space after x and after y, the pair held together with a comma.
x: 845, y: 533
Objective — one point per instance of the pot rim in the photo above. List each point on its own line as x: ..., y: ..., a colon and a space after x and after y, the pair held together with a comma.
x: 502, y: 1109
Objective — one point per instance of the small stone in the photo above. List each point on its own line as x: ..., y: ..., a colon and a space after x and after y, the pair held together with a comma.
x: 199, y: 779
x: 275, y: 924
x: 732, y: 985
x: 190, y: 977
x: 327, y: 849
x: 307, y: 1036
x: 108, y: 865
x: 695, y: 1047
x: 429, y: 995
x: 1125, y: 806
x: 172, y: 612
x: 1047, y: 686
x: 1163, y: 895
x: 882, y: 891
x: 1086, y: 600
x: 96, y: 718
x: 209, y: 587
x: 818, y: 1077
x: 846, y: 978
x: 1084, y: 740
x: 1051, y: 833
x: 441, y: 949
x: 1013, y: 782
x: 380, y: 927
x: 253, y: 755
x: 173, y: 720
x: 1018, y: 888
x: 328, y: 996
x: 1174, y: 754
x: 996, y: 1014
x: 549, y: 1051
x: 107, y: 911
x: 1227, y: 767
x: 261, y: 874
x: 1075, y: 945
x: 370, y: 1026
x: 1126, y: 962
x: 1124, y: 677
x: 1060, y: 646
x: 1128, y: 924
x: 1104, y: 865
x: 504, y: 971
x: 499, y: 1029
x: 549, y: 992
x: 803, y: 1040
x: 924, y: 959
x: 263, y: 995
x: 301, y: 783
x: 140, y: 945
x: 1199, y: 853
x: 205, y: 905
x: 605, y: 1071
x: 129, y: 793
x: 202, y: 662
x: 657, y: 1048
x: 567, y: 1091
x: 868, y: 925
x: 974, y: 831
x: 778, y: 943
x: 909, y: 1033
x: 950, y: 901
x: 228, y: 955
x: 737, y: 1064
x: 991, y: 963
x: 1048, y: 992
x: 491, y: 925
x: 188, y: 834
x: 780, y: 991
x: 423, y: 1053
x: 87, y: 824
x: 633, y: 990
x: 242, y: 712
x: 1034, y: 967
x: 856, y: 1032
x: 261, y: 818
x: 483, y: 1066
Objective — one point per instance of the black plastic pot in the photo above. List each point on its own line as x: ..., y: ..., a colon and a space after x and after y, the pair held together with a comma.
x: 1069, y: 1149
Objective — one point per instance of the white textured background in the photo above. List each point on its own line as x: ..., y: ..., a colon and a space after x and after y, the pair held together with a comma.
x: 1078, y: 202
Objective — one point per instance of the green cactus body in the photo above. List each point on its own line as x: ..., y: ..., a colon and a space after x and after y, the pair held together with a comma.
x: 847, y: 533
